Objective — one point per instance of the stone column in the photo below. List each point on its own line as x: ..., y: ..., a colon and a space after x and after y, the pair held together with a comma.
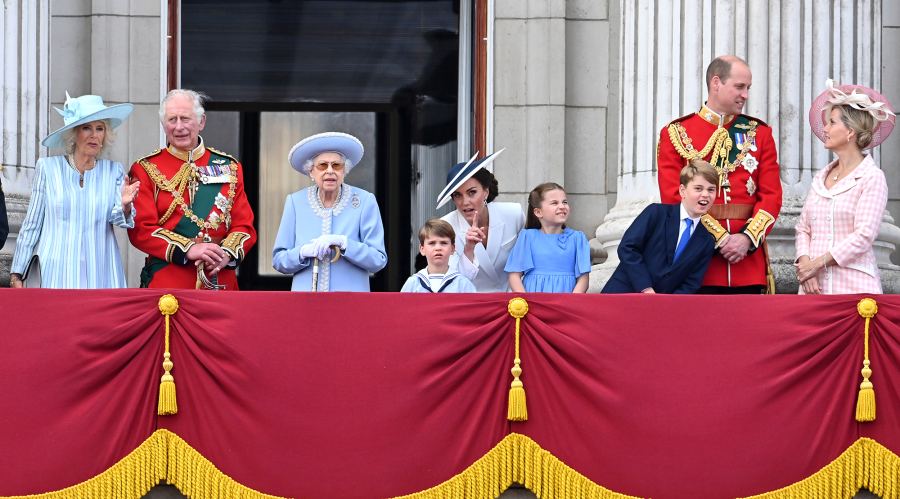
x: 792, y: 46
x: 24, y: 105
x: 529, y: 94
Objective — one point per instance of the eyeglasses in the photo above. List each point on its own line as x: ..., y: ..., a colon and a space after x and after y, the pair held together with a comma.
x: 337, y: 166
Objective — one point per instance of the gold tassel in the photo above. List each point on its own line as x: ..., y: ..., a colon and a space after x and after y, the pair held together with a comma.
x: 168, y: 403
x: 865, y: 402
x: 517, y: 409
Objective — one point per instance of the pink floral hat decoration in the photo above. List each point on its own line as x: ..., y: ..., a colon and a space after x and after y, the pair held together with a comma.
x: 856, y: 96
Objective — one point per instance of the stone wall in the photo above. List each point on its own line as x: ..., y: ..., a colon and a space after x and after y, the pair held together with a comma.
x: 552, y: 97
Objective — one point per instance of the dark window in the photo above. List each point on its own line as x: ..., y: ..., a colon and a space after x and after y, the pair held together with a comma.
x: 306, y: 66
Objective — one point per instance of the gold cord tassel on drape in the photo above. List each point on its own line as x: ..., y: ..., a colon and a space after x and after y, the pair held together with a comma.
x: 865, y: 402
x: 517, y: 410
x: 168, y: 404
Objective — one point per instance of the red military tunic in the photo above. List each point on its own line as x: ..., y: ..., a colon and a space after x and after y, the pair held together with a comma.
x: 218, y: 209
x: 747, y: 163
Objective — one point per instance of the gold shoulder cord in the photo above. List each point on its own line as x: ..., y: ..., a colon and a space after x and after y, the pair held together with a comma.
x: 177, y: 185
x: 719, y: 144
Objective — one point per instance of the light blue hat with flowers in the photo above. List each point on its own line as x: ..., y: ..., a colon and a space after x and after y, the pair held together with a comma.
x: 86, y: 109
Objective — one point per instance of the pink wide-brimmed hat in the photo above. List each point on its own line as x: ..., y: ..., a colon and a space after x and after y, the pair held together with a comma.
x: 859, y: 97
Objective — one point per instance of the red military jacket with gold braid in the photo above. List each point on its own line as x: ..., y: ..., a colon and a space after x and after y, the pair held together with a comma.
x: 744, y: 154
x: 179, y: 205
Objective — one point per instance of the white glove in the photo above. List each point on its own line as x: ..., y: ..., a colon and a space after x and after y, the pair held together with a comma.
x: 324, y: 243
x: 308, y: 250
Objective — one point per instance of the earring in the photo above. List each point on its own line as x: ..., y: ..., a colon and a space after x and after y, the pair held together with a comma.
x: 484, y: 202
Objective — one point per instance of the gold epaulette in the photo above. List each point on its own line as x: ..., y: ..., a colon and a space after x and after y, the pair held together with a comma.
x: 144, y: 158
x: 757, y: 120
x: 220, y: 153
x: 715, y: 228
x: 756, y: 227
x: 234, y: 244
x: 682, y: 118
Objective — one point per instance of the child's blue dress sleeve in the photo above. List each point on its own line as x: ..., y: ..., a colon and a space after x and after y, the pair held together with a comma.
x: 520, y: 258
x: 582, y: 254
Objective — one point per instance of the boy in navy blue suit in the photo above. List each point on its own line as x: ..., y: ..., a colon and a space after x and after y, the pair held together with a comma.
x: 664, y: 250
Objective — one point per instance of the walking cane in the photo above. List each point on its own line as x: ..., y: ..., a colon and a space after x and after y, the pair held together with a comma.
x: 315, y: 278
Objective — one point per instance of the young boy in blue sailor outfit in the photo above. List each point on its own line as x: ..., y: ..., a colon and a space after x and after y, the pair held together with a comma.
x: 436, y: 244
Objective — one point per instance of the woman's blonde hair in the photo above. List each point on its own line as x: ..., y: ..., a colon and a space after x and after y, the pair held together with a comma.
x: 862, y: 123
x: 68, y: 137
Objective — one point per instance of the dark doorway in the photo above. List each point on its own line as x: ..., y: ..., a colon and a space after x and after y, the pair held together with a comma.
x: 278, y: 71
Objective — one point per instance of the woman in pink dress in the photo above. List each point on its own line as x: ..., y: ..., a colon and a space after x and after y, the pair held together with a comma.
x: 846, y: 201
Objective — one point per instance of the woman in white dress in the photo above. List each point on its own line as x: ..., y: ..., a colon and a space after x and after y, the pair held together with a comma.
x: 76, y: 200
x: 486, y: 230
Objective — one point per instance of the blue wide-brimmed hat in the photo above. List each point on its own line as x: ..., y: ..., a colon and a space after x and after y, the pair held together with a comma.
x: 461, y: 172
x: 85, y: 109
x: 315, y: 145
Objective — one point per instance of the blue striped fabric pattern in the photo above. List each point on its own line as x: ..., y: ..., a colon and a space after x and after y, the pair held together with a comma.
x: 70, y: 228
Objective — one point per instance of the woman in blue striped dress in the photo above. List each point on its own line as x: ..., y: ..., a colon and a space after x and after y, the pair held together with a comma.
x: 76, y: 199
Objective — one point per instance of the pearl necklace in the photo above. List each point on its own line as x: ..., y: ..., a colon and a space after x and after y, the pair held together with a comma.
x: 71, y: 158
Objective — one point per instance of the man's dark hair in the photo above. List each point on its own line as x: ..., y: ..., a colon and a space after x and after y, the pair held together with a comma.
x: 721, y: 67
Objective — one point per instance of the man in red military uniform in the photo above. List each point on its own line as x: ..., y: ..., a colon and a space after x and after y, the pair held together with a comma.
x: 742, y: 150
x: 193, y: 219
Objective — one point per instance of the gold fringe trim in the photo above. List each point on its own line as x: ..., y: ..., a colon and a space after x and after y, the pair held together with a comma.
x: 517, y: 459
x: 164, y: 456
x: 130, y: 478
x: 866, y: 463
x: 198, y: 478
x: 517, y: 410
x: 865, y: 401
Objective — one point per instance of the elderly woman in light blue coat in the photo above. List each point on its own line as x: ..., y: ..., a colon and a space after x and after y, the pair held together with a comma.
x: 327, y: 215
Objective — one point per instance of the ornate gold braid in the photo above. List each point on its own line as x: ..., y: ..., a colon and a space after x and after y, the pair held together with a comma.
x: 684, y: 145
x: 719, y: 143
x: 177, y: 185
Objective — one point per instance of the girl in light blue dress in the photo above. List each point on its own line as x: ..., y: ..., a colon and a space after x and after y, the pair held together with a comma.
x: 548, y: 256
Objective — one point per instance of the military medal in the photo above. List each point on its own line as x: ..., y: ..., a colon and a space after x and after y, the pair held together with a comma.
x: 751, y: 186
x: 750, y: 163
